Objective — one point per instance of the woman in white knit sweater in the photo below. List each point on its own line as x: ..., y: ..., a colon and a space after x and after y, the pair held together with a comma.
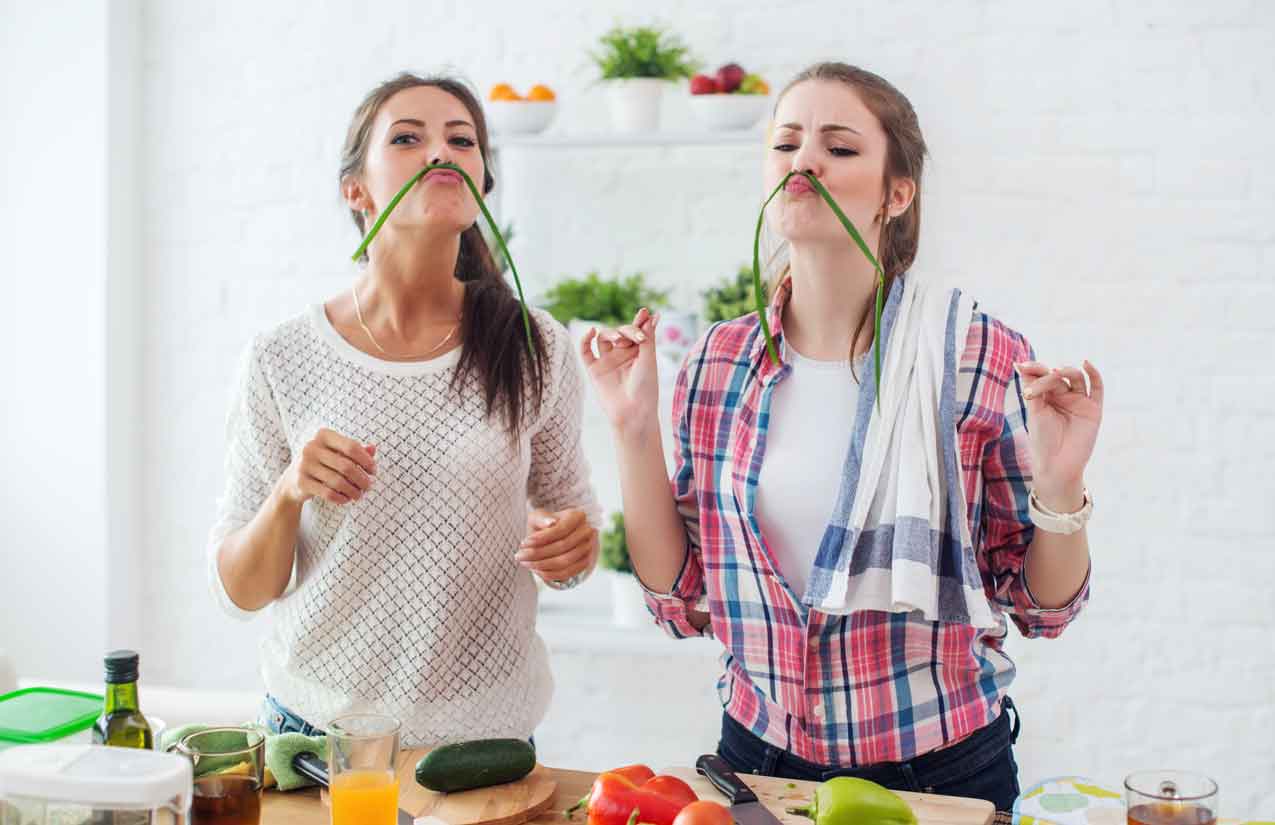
x: 400, y: 465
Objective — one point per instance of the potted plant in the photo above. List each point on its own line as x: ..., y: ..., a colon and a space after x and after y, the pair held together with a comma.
x: 628, y: 607
x: 580, y: 303
x: 731, y: 298
x: 636, y: 64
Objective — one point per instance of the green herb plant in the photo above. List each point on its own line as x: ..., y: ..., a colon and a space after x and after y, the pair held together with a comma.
x: 643, y: 51
x: 731, y: 298
x: 608, y: 301
x: 613, y: 553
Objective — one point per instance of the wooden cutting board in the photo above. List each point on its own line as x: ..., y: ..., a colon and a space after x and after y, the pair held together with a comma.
x: 779, y: 794
x: 509, y: 804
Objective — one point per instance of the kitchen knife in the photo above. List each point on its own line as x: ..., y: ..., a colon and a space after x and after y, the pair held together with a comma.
x: 744, y: 806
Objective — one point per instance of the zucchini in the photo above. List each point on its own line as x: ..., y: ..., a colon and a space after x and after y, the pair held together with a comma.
x: 464, y: 766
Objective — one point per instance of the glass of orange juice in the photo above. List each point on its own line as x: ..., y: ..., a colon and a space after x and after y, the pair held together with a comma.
x: 362, y: 756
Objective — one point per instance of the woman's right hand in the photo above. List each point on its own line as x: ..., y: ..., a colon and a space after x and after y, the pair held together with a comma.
x: 625, y: 374
x: 330, y: 466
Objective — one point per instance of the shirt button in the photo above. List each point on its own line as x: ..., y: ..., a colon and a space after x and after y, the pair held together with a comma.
x: 817, y: 710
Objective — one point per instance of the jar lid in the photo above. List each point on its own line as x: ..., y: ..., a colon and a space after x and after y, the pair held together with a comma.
x: 95, y: 775
x: 43, y: 715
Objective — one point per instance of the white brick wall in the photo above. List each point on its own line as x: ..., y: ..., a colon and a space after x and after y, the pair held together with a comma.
x: 1100, y: 178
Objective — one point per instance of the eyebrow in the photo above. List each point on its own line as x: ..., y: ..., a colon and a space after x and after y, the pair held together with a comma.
x: 831, y: 127
x: 411, y: 121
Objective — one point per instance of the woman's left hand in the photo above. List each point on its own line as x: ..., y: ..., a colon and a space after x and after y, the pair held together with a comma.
x: 1063, y: 414
x: 558, y: 545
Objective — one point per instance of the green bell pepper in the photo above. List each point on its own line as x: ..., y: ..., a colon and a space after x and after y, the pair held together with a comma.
x: 844, y: 800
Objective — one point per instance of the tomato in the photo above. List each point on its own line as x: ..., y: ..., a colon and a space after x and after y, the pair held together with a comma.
x: 704, y: 812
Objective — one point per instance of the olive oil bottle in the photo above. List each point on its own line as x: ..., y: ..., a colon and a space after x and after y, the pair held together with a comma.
x: 122, y: 724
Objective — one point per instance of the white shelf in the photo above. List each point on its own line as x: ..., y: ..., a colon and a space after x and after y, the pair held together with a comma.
x: 607, y: 140
x: 581, y: 630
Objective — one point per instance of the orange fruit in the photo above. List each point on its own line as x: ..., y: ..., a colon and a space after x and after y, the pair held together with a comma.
x: 763, y: 88
x: 503, y: 91
x: 539, y: 92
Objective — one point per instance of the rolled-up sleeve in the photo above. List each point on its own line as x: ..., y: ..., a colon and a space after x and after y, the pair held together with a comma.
x: 671, y: 609
x: 1007, y: 527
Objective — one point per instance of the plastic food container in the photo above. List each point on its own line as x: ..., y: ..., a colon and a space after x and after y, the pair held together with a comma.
x: 92, y: 784
x: 43, y: 716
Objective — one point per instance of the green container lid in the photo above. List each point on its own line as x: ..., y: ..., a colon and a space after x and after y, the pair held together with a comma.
x: 40, y: 715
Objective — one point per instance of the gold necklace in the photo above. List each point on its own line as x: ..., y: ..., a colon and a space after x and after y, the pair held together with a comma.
x: 358, y: 311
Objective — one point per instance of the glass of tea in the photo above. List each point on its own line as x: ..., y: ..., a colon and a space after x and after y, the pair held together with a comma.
x: 362, y: 761
x: 1170, y: 798
x: 229, y: 767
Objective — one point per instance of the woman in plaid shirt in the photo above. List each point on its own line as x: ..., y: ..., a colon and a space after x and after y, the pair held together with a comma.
x: 763, y: 454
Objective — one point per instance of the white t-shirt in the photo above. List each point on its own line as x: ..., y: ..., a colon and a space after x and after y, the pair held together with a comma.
x: 812, y: 414
x: 407, y: 602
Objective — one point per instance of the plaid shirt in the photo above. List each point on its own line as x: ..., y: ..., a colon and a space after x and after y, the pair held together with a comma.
x: 869, y: 687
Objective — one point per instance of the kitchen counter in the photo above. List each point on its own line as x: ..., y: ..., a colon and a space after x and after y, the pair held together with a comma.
x: 305, y: 807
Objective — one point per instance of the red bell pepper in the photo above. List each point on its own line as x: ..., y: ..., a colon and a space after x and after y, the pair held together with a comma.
x: 616, y: 795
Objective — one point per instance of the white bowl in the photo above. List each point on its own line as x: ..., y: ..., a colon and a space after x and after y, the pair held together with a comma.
x: 520, y: 117
x: 728, y: 112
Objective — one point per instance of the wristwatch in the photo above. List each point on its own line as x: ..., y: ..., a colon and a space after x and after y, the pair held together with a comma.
x: 568, y: 583
x: 1061, y: 523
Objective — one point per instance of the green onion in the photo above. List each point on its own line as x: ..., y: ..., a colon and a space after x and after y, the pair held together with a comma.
x: 491, y: 222
x: 759, y: 296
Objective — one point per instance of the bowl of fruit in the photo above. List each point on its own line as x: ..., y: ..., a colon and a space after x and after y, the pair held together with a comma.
x: 730, y: 99
x: 513, y: 114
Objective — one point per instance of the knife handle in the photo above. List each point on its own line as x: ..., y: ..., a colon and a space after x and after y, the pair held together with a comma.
x: 311, y: 767
x: 724, y: 779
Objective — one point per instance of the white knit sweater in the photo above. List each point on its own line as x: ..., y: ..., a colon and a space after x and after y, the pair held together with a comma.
x: 408, y: 601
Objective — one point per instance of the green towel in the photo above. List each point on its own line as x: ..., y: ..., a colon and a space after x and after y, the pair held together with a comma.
x: 171, y: 736
x: 280, y: 750
x: 228, y: 741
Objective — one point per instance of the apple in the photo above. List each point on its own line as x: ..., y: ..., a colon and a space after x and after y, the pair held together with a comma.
x: 730, y: 76
x: 702, y: 84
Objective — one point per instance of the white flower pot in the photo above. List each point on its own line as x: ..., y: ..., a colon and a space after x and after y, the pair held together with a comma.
x: 628, y: 607
x: 634, y: 103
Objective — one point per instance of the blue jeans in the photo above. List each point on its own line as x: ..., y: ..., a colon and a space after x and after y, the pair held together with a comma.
x: 278, y: 719
x: 979, y: 767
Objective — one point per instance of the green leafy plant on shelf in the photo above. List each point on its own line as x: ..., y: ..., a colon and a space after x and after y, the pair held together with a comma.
x: 731, y: 298
x: 643, y: 51
x: 608, y: 301
x: 614, y: 548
